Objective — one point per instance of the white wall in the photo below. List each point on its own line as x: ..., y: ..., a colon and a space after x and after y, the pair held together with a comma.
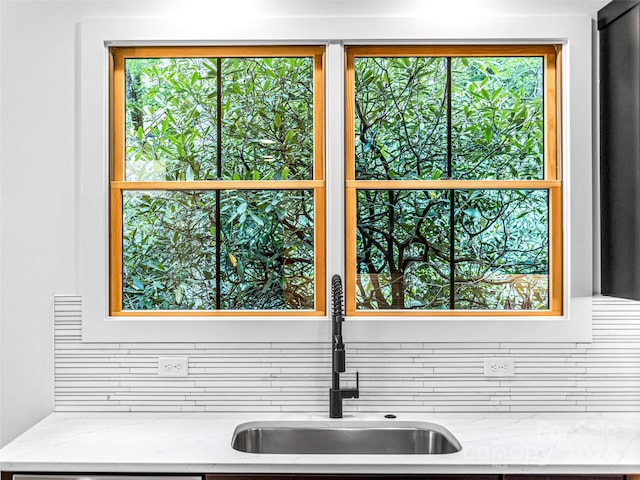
x: 37, y: 167
x: 37, y: 187
x: 37, y: 173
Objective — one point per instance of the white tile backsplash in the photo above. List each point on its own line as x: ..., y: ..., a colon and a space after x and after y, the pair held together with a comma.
x: 394, y: 377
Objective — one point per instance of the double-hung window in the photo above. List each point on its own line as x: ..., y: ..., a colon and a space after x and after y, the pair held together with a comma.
x: 453, y: 190
x: 217, y: 187
x: 453, y: 194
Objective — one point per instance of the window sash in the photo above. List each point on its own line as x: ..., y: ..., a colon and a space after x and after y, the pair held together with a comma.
x: 551, y: 181
x: 118, y: 184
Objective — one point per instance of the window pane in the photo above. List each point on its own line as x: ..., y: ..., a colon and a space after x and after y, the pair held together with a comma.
x: 400, y: 118
x: 266, y: 126
x: 170, y: 119
x: 402, y: 248
x: 266, y: 255
x: 267, y: 111
x: 497, y: 118
x: 168, y: 250
x: 497, y: 123
x: 267, y: 249
x: 502, y: 249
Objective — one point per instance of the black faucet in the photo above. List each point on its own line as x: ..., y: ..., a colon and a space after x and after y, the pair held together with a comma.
x: 336, y: 394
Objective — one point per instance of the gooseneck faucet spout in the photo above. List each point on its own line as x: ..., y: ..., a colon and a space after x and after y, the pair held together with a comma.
x: 338, y: 362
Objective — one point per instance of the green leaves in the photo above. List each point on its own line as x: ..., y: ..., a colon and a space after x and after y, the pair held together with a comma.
x: 172, y: 115
x: 168, y: 245
x: 399, y: 117
x: 497, y: 118
x: 273, y: 248
x: 268, y: 125
x: 170, y: 255
x: 501, y: 249
x: 472, y: 212
x: 402, y: 132
x: 170, y: 107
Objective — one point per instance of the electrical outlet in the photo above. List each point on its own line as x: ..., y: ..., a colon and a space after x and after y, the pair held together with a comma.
x: 173, y: 366
x: 499, y: 367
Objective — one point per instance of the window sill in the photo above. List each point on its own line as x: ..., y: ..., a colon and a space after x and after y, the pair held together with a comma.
x: 572, y: 328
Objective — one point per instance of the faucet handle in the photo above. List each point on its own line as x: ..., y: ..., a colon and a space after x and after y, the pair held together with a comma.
x: 339, y: 358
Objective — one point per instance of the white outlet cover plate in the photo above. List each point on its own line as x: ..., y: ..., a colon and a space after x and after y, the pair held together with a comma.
x: 173, y: 366
x: 499, y: 367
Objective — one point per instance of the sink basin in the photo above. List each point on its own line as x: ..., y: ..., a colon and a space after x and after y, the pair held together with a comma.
x: 344, y: 437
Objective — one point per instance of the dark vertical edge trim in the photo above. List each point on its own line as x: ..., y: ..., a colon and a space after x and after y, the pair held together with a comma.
x: 614, y: 10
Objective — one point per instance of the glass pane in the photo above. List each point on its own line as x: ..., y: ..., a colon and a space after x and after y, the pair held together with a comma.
x: 402, y: 248
x: 168, y: 250
x: 267, y: 111
x: 497, y: 118
x: 267, y: 250
x: 400, y: 118
x: 170, y: 111
x: 502, y: 249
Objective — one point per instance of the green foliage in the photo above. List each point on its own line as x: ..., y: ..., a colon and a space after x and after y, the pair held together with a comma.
x: 501, y: 248
x: 168, y: 250
x: 497, y: 118
x: 403, y: 239
x: 252, y: 119
x: 405, y: 260
x: 171, y: 119
x: 268, y: 241
x: 400, y: 118
x: 266, y: 116
x: 218, y: 119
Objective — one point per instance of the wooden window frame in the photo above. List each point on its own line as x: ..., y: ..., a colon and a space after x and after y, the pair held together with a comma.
x: 118, y: 184
x: 552, y: 181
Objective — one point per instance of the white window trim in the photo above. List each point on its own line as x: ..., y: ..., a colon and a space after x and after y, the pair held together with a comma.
x: 574, y: 33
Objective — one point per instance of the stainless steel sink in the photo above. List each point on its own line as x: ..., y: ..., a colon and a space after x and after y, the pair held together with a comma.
x: 344, y: 437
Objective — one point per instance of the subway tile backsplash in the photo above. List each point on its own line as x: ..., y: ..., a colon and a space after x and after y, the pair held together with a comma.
x: 394, y: 377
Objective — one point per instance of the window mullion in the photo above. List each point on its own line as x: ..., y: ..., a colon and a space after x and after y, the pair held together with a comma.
x: 452, y: 234
x: 219, y: 176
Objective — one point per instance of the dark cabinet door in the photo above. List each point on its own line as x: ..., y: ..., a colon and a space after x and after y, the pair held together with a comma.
x: 564, y: 477
x: 619, y: 25
x: 293, y: 476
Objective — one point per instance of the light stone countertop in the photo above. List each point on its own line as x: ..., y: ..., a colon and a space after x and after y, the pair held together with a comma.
x: 201, y: 443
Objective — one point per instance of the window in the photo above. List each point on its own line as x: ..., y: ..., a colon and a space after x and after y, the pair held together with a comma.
x: 453, y: 192
x: 572, y: 34
x: 217, y: 181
